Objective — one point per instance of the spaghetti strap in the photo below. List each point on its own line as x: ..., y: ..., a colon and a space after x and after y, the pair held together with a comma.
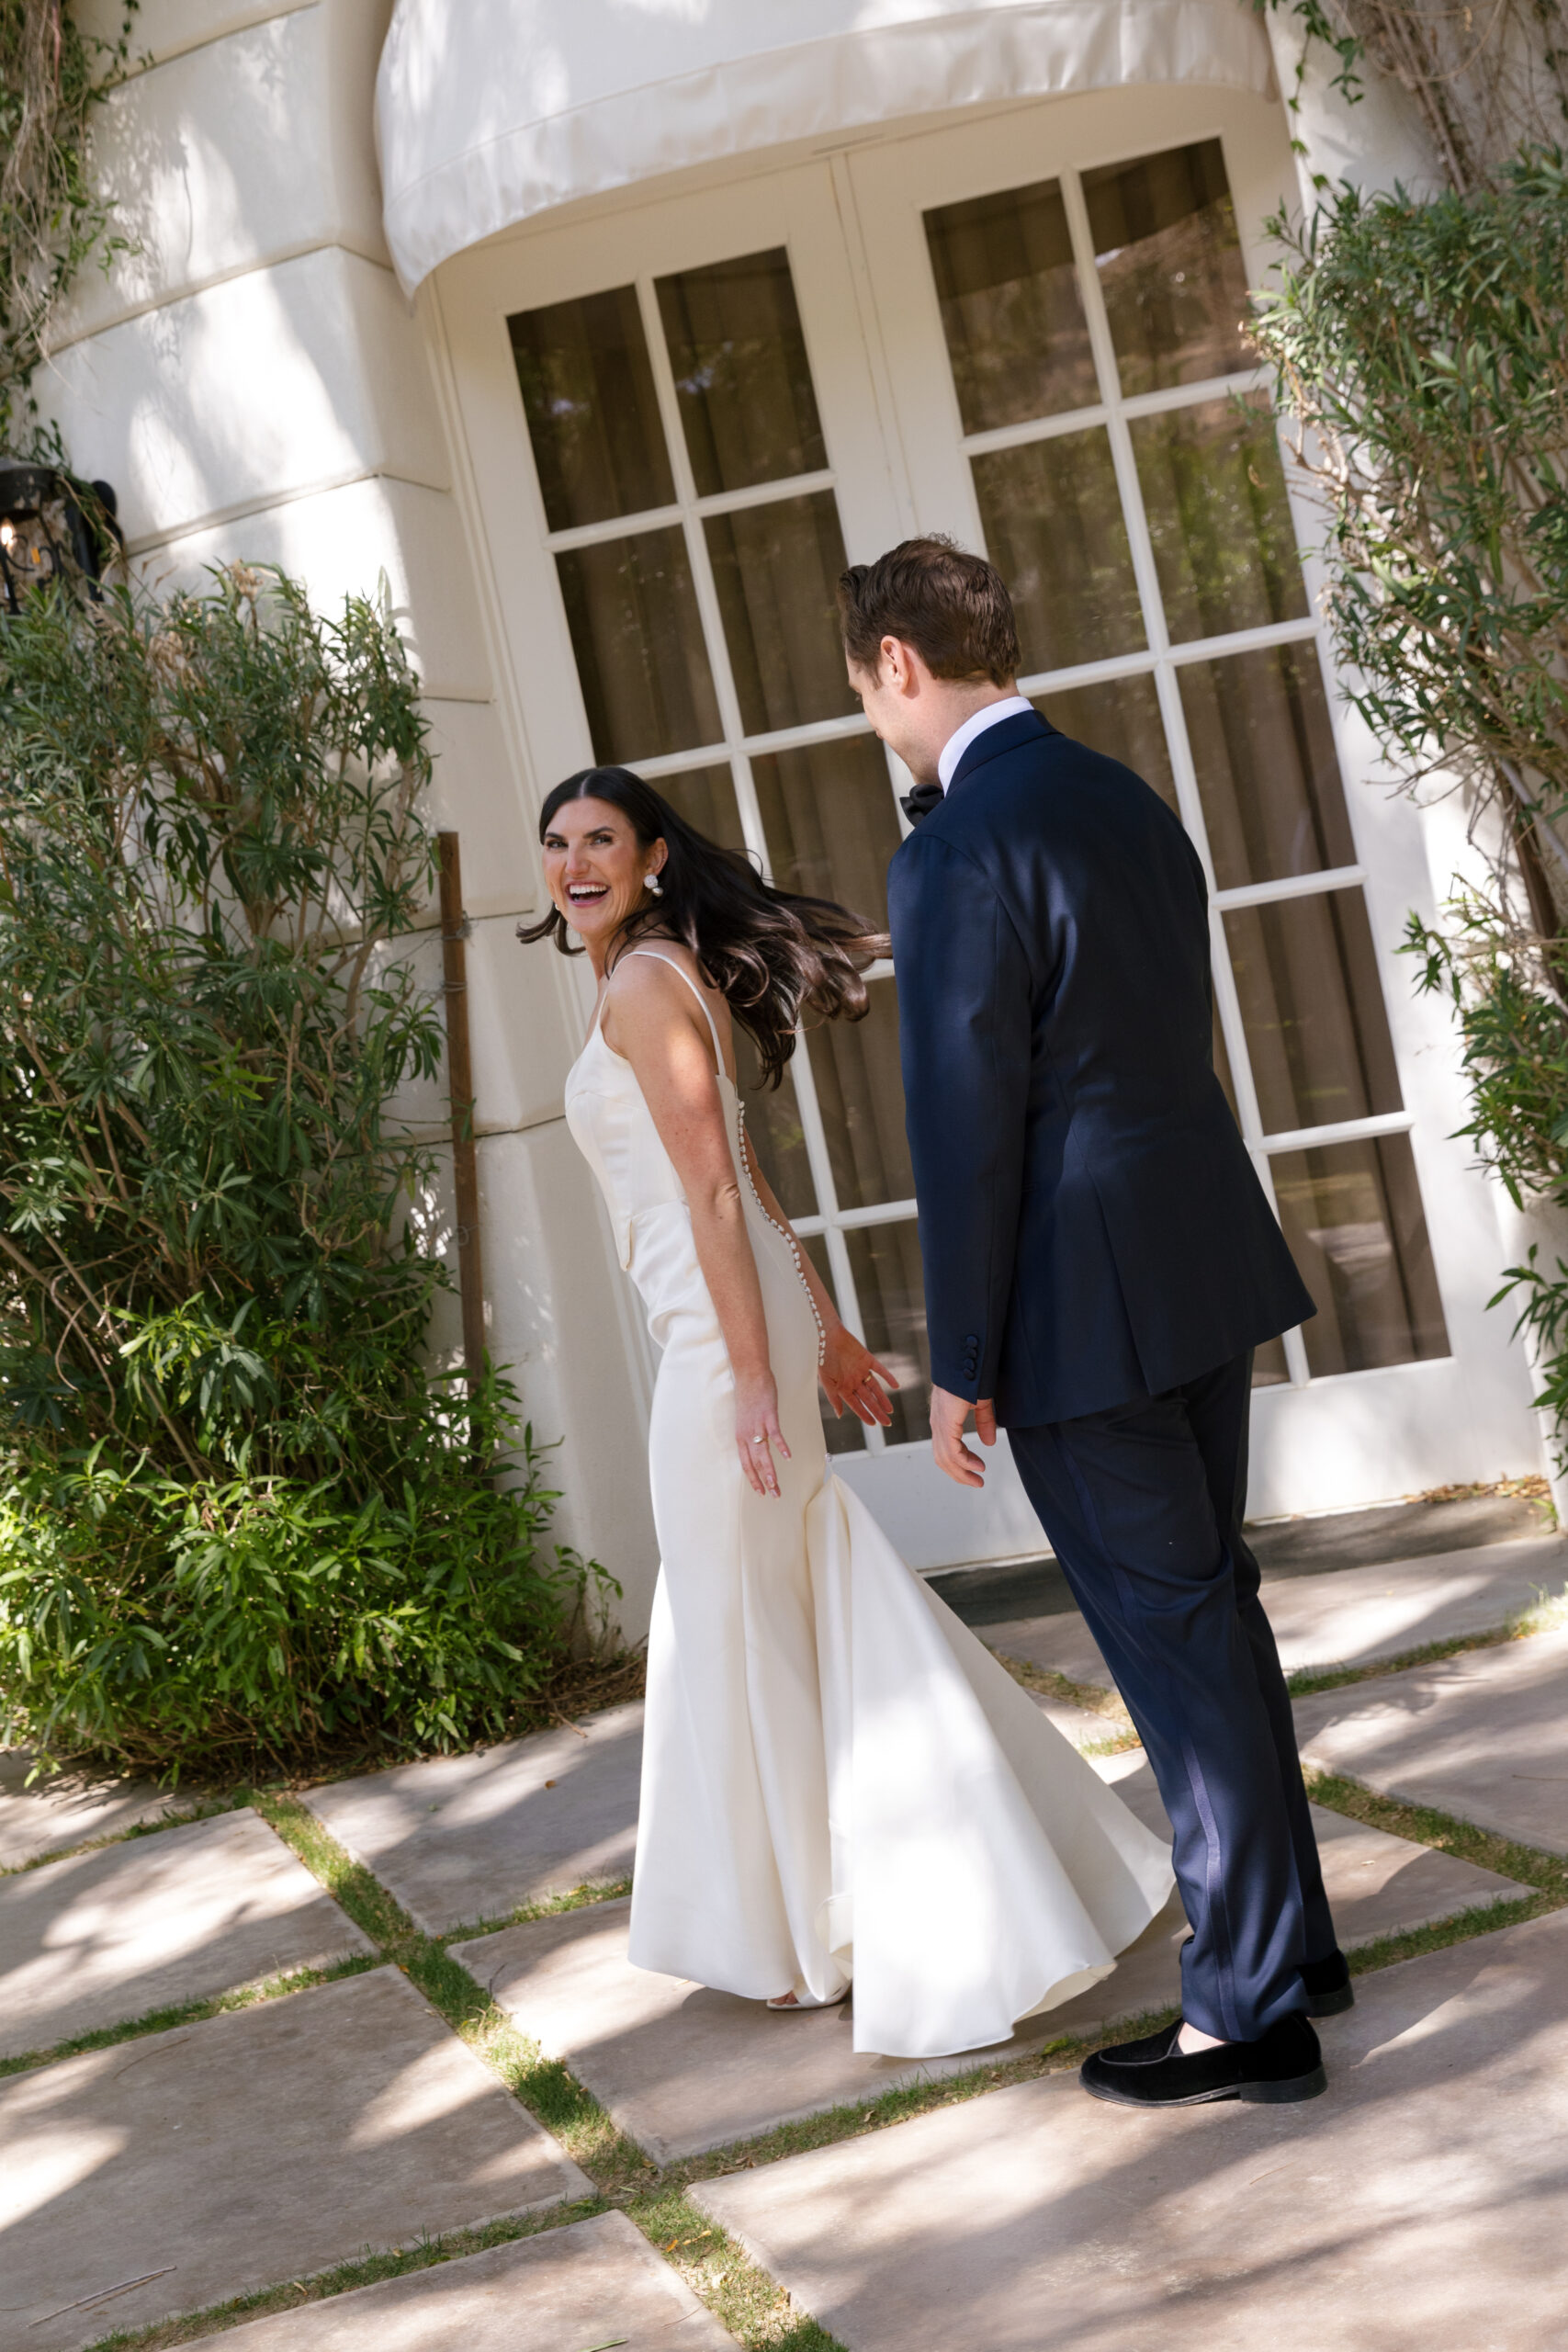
x: 655, y: 957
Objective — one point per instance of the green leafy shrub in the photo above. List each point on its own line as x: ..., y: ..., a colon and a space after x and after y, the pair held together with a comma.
x: 240, y: 1518
x: 1511, y: 1002
x: 1424, y: 344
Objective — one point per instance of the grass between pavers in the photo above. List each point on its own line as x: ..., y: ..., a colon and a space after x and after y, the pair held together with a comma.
x: 243, y: 1996
x: 1424, y: 1825
x: 549, y: 1907
x: 207, y: 1809
x: 1547, y: 1615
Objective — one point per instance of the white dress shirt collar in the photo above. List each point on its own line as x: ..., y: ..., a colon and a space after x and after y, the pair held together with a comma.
x: 990, y: 714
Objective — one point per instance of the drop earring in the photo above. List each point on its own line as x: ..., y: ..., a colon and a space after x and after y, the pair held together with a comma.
x: 655, y: 885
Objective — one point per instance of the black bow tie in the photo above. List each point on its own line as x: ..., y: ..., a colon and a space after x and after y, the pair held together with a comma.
x: 917, y: 805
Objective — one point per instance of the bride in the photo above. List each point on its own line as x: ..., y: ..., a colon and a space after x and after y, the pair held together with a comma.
x: 837, y: 1779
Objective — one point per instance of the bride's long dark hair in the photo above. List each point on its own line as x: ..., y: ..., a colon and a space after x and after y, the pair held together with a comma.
x: 771, y: 953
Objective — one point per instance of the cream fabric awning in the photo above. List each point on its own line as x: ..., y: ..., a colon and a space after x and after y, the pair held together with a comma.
x: 490, y: 111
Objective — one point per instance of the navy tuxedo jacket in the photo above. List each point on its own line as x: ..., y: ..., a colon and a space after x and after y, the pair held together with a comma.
x: 1092, y: 1225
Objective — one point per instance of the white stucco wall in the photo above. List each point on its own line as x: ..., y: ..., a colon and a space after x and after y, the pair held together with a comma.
x: 255, y: 386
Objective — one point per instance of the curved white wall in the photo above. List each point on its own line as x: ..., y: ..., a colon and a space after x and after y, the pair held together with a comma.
x: 490, y: 113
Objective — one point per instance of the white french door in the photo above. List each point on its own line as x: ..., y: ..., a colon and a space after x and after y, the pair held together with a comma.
x: 686, y: 417
x: 1060, y: 297
x: 679, y: 447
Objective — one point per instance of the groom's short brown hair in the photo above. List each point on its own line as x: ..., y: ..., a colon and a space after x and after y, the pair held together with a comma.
x: 952, y: 607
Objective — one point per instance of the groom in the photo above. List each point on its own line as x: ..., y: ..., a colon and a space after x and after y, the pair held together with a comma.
x: 1100, y: 1262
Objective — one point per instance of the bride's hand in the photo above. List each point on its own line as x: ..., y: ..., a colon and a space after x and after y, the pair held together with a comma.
x: 849, y: 1374
x: 757, y: 1431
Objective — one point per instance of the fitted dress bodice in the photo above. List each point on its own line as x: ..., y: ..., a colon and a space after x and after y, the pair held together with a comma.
x: 613, y: 1129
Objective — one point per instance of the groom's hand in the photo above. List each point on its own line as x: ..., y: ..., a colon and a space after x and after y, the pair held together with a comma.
x: 948, y: 1416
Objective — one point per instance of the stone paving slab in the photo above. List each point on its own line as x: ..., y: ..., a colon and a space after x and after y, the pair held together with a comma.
x: 589, y: 2284
x: 462, y: 1839
x: 1423, y: 2201
x: 1353, y: 1618
x: 683, y: 2069
x: 193, y: 1912
x: 1484, y: 1735
x: 257, y: 2146
x: 68, y: 1808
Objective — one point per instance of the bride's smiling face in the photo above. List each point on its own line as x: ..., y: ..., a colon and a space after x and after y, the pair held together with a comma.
x: 596, y: 870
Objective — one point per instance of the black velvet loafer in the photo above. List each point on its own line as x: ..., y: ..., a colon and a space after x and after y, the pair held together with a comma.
x: 1328, y: 1985
x: 1284, y: 2065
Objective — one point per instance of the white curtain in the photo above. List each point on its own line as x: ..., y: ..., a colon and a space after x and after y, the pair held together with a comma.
x: 490, y: 111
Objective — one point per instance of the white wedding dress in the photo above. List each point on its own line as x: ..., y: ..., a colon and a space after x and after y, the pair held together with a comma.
x: 837, y: 1779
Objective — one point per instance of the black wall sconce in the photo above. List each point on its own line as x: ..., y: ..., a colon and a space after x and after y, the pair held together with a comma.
x: 50, y: 524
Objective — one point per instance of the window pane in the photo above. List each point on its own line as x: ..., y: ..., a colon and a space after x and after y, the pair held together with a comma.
x: 1120, y: 718
x: 886, y: 1262
x: 1269, y: 1369
x: 1263, y: 745
x: 741, y: 375
x: 1010, y: 307
x: 855, y: 1064
x: 772, y: 1122
x: 1352, y: 1216
x: 631, y: 611
x: 844, y: 1432
x: 706, y: 798
x: 775, y: 569
x: 1215, y: 495
x: 830, y: 822
x: 1316, y: 1032
x: 1053, y: 529
x: 592, y: 409
x: 1170, y: 267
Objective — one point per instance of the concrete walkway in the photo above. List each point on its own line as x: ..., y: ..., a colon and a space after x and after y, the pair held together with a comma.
x: 1423, y: 2202
x: 195, y: 2157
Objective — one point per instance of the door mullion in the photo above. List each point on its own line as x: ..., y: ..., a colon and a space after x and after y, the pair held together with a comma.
x: 846, y: 201
x: 1233, y: 1031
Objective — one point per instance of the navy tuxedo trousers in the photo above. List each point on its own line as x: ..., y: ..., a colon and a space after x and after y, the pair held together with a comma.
x: 1143, y: 1505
